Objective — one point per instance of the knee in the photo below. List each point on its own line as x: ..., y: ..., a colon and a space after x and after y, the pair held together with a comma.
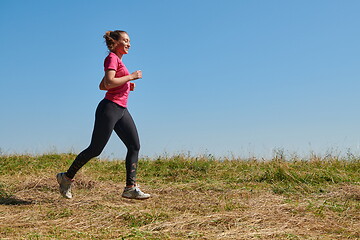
x: 94, y: 152
x: 134, y: 147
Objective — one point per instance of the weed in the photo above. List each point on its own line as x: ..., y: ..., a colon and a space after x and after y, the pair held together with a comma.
x: 141, y: 219
x: 192, y: 198
x: 59, y: 213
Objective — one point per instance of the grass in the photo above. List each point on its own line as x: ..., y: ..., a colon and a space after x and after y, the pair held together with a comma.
x: 193, y: 198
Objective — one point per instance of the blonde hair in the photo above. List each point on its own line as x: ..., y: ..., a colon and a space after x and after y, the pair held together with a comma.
x: 112, y: 39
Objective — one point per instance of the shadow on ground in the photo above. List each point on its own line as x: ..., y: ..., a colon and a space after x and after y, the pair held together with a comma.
x: 13, y: 201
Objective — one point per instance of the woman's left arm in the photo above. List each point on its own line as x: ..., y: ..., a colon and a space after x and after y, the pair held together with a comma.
x: 102, y: 85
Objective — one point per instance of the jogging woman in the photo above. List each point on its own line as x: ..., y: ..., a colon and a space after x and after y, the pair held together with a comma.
x: 112, y: 114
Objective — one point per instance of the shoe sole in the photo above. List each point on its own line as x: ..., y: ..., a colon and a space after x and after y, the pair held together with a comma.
x: 135, y: 198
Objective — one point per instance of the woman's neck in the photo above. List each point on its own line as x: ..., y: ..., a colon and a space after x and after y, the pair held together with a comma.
x: 119, y: 55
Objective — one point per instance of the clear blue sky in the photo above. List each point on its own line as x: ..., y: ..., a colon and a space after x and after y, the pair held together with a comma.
x: 226, y: 78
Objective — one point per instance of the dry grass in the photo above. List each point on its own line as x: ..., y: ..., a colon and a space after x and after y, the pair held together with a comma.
x: 193, y: 206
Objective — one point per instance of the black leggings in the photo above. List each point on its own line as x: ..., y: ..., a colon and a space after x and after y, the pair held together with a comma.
x: 111, y: 116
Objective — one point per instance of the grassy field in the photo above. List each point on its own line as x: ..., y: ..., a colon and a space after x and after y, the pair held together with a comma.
x: 193, y: 198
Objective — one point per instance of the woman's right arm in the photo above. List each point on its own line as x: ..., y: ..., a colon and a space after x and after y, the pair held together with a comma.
x: 102, y: 84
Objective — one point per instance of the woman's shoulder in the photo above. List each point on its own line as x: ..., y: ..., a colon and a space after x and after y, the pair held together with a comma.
x: 112, y: 55
x: 114, y: 61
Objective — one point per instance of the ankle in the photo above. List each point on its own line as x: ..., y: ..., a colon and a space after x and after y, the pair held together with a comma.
x: 67, y: 178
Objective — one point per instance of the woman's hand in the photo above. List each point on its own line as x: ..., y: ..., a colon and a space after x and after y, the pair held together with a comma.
x: 136, y: 75
x: 132, y: 86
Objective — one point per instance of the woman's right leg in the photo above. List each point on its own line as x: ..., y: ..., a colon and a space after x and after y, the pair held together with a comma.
x: 125, y: 128
x: 105, y: 119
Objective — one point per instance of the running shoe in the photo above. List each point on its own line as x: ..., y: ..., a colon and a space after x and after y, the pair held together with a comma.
x: 134, y: 193
x: 65, y: 185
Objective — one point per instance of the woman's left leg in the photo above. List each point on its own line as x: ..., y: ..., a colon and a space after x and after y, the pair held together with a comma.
x: 125, y: 128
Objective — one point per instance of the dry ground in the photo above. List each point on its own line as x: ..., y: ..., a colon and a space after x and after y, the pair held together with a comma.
x: 180, y: 211
x: 31, y: 208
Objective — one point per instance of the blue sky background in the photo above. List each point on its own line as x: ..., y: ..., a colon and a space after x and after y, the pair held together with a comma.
x: 228, y: 78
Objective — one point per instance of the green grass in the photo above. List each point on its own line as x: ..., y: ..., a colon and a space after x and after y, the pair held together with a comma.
x: 193, y: 198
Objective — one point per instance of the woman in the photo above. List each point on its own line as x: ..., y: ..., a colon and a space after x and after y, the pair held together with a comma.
x: 112, y: 114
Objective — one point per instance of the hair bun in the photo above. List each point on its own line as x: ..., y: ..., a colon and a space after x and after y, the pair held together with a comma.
x: 112, y: 38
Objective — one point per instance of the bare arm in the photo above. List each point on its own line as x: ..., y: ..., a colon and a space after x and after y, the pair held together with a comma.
x: 110, y: 81
x: 102, y: 84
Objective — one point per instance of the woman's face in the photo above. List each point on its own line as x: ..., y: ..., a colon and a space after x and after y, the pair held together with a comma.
x: 124, y: 44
